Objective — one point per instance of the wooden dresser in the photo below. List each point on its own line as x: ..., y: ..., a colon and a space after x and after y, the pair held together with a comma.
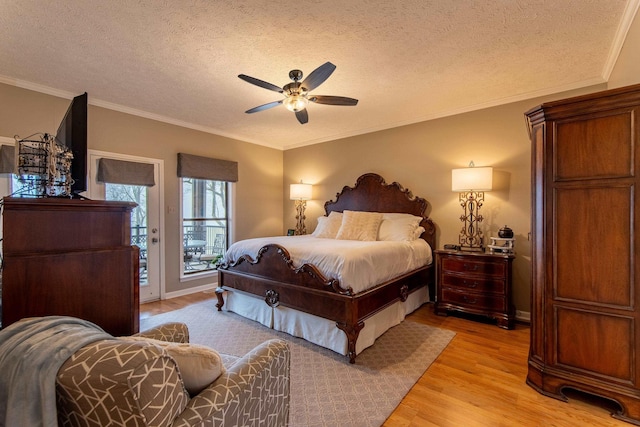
x: 477, y: 283
x: 585, y: 308
x: 70, y: 257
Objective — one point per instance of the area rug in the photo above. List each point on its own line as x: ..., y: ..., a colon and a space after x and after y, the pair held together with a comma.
x: 326, y: 390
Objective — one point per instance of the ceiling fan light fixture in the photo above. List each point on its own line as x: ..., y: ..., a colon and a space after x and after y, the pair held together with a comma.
x: 297, y: 92
x: 296, y: 103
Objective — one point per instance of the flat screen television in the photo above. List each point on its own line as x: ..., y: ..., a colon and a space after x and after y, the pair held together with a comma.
x: 72, y: 132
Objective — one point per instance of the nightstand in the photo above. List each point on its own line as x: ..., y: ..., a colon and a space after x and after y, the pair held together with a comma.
x: 475, y: 282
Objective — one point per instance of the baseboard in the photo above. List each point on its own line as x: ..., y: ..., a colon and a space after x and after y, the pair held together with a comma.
x: 523, y: 316
x: 183, y: 292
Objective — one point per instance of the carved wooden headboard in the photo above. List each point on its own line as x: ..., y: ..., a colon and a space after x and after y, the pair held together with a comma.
x: 372, y: 194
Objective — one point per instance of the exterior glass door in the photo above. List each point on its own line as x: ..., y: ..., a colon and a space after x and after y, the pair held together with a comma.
x: 145, y: 219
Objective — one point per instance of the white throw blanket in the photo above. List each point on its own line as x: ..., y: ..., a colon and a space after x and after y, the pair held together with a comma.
x: 32, y: 351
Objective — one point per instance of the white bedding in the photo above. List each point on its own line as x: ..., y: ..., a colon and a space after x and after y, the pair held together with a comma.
x: 356, y: 264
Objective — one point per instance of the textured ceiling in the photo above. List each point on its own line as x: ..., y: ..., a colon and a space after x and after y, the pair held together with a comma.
x: 405, y: 60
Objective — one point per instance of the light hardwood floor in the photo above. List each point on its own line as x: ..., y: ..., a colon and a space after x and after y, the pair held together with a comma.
x: 478, y: 380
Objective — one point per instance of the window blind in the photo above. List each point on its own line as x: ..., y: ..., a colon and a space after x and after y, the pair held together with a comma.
x: 7, y: 159
x: 125, y: 172
x: 190, y: 166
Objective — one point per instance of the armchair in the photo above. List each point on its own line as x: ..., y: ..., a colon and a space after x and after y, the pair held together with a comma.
x: 121, y: 382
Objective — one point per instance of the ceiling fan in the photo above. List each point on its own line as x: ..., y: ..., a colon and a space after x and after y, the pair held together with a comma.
x: 297, y: 95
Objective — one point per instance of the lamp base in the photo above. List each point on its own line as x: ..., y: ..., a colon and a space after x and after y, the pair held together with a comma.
x: 301, y: 229
x: 470, y: 238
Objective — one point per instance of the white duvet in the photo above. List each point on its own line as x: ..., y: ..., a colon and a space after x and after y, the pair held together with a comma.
x: 356, y: 264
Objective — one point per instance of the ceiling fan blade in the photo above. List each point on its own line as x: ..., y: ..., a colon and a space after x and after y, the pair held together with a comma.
x: 318, y: 76
x: 302, y: 116
x: 261, y: 83
x: 264, y: 107
x: 333, y: 100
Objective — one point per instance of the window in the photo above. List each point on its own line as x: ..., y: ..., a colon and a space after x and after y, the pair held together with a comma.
x: 24, y: 188
x: 205, y: 210
x: 138, y: 195
x: 205, y: 219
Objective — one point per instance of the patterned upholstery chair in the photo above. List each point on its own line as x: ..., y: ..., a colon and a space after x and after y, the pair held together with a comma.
x: 121, y: 382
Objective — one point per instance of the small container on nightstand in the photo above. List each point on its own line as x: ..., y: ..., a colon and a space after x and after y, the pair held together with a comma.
x: 502, y: 245
x: 476, y: 283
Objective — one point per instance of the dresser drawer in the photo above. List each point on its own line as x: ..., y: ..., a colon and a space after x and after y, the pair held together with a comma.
x: 477, y: 301
x: 473, y: 283
x: 453, y: 264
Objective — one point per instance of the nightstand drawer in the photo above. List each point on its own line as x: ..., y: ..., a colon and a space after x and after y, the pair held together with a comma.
x: 470, y: 283
x: 477, y: 301
x: 453, y: 264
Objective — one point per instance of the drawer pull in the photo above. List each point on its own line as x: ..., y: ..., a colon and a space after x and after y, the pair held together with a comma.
x: 470, y: 267
x: 469, y: 300
x: 473, y: 284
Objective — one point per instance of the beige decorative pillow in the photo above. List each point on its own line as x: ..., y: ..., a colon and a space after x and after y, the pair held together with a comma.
x: 399, y: 227
x: 199, y: 365
x: 359, y: 226
x: 328, y: 226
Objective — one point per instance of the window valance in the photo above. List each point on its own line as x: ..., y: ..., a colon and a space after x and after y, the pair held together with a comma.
x: 7, y: 159
x: 190, y: 166
x: 125, y: 172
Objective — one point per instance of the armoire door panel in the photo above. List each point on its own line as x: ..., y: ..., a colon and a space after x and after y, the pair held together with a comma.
x: 587, y: 340
x: 593, y: 245
x: 594, y: 147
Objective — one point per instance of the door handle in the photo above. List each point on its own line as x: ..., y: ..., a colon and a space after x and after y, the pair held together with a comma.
x: 469, y: 300
x: 470, y: 267
x: 470, y: 284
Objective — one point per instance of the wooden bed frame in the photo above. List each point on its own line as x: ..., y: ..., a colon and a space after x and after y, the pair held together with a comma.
x: 272, y: 276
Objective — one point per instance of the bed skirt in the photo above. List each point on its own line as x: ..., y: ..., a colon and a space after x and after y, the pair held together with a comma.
x: 318, y: 330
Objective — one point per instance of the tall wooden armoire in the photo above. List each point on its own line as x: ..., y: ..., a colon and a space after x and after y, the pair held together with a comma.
x: 585, y: 308
x: 70, y: 257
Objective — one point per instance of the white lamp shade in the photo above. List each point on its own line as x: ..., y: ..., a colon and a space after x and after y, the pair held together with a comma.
x: 300, y: 191
x: 466, y: 179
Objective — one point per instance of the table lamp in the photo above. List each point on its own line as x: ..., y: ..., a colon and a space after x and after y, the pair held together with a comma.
x: 300, y: 193
x: 471, y: 183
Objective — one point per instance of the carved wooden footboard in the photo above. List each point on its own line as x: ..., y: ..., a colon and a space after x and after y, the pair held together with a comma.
x: 273, y: 276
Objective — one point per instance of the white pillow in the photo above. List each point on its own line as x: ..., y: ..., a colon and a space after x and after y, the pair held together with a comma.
x: 199, y: 365
x: 328, y: 226
x: 359, y: 226
x: 418, y: 233
x: 404, y: 216
x: 399, y: 227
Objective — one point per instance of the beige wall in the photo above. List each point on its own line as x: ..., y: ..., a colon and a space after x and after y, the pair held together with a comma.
x: 258, y: 208
x: 421, y: 156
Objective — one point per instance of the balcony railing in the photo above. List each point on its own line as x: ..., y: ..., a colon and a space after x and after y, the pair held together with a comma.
x: 201, y: 243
